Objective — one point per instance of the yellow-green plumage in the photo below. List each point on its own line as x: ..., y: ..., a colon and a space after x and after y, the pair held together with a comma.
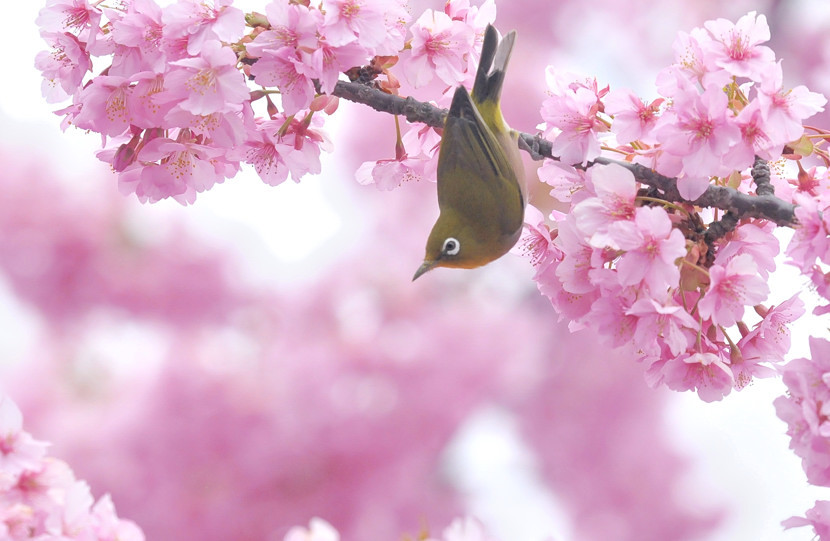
x: 481, y: 193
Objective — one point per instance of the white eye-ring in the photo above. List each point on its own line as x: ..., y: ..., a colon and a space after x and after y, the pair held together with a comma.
x: 451, y: 246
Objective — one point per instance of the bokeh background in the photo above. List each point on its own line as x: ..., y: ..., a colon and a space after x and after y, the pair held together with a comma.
x: 232, y: 368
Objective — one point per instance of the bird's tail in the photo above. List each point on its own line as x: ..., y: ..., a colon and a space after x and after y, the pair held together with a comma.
x: 490, y: 74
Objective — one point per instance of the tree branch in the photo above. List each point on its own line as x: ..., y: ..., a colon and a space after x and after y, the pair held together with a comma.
x: 764, y: 205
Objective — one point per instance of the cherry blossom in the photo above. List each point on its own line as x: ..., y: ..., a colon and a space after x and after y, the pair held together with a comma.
x: 818, y: 517
x: 570, y: 112
x: 633, y: 119
x: 40, y: 497
x: 651, y: 248
x: 198, y: 23
x: 64, y: 67
x: 361, y: 20
x: 811, y: 240
x: 707, y: 373
x: 732, y: 287
x: 440, y: 46
x: 736, y: 47
x: 78, y: 17
x: 207, y: 84
x: 699, y: 129
x: 784, y: 110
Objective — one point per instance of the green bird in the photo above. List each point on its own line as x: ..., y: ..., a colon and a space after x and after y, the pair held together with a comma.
x: 481, y: 192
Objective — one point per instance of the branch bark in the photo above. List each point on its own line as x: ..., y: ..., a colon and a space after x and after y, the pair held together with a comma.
x: 765, y: 205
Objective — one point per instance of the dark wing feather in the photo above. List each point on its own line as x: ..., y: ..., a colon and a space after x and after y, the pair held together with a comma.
x: 492, y: 66
x: 491, y: 200
x: 488, y: 52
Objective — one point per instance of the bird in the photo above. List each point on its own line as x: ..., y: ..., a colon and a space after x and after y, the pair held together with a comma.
x: 481, y: 191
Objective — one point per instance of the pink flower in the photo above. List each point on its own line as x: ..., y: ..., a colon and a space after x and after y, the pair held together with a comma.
x: 19, y: 451
x: 616, y: 191
x: 146, y: 111
x: 361, y: 20
x: 286, y: 71
x: 388, y: 174
x: 731, y: 288
x: 570, y: 112
x: 139, y: 33
x: 707, y: 373
x: 565, y: 180
x: 651, y: 248
x: 818, y: 517
x: 440, y: 46
x: 806, y: 410
x: 64, y: 67
x: 416, y: 159
x: 692, y: 63
x: 221, y: 130
x: 108, y: 526
x: 815, y: 182
x: 292, y: 25
x: 198, y: 24
x: 328, y: 62
x: 610, y: 315
x: 576, y: 264
x: 754, y: 139
x: 567, y: 283
x: 668, y: 322
x: 536, y: 241
x: 769, y: 341
x: 811, y: 240
x: 633, y: 119
x: 76, y: 17
x: 209, y: 83
x: 277, y: 150
x: 477, y: 18
x: 784, y: 110
x: 177, y: 169
x: 736, y: 48
x: 104, y: 106
x: 700, y: 130
x: 756, y: 239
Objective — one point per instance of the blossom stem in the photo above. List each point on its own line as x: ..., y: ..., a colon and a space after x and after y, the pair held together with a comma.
x: 663, y: 202
x: 696, y: 267
x: 731, y: 343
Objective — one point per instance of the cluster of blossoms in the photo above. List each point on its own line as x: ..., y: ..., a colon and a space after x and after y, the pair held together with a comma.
x: 40, y: 497
x: 444, y: 50
x: 665, y: 278
x: 805, y: 410
x: 172, y: 100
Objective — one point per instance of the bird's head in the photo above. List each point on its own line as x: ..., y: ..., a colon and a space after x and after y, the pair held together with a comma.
x: 456, y: 245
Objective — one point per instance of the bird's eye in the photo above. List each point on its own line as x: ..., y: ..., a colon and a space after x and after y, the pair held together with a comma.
x: 451, y: 246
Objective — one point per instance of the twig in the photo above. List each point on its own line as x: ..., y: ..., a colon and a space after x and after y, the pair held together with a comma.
x: 720, y: 228
x: 764, y: 205
x: 760, y: 174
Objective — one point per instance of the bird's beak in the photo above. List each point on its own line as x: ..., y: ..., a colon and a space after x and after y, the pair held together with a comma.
x: 426, y: 266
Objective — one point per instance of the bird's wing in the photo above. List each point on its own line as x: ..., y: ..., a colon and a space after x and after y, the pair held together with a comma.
x: 483, y: 178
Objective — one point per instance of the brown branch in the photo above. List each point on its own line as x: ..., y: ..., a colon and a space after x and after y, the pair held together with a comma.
x: 761, y: 176
x: 410, y: 108
x: 764, y: 205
